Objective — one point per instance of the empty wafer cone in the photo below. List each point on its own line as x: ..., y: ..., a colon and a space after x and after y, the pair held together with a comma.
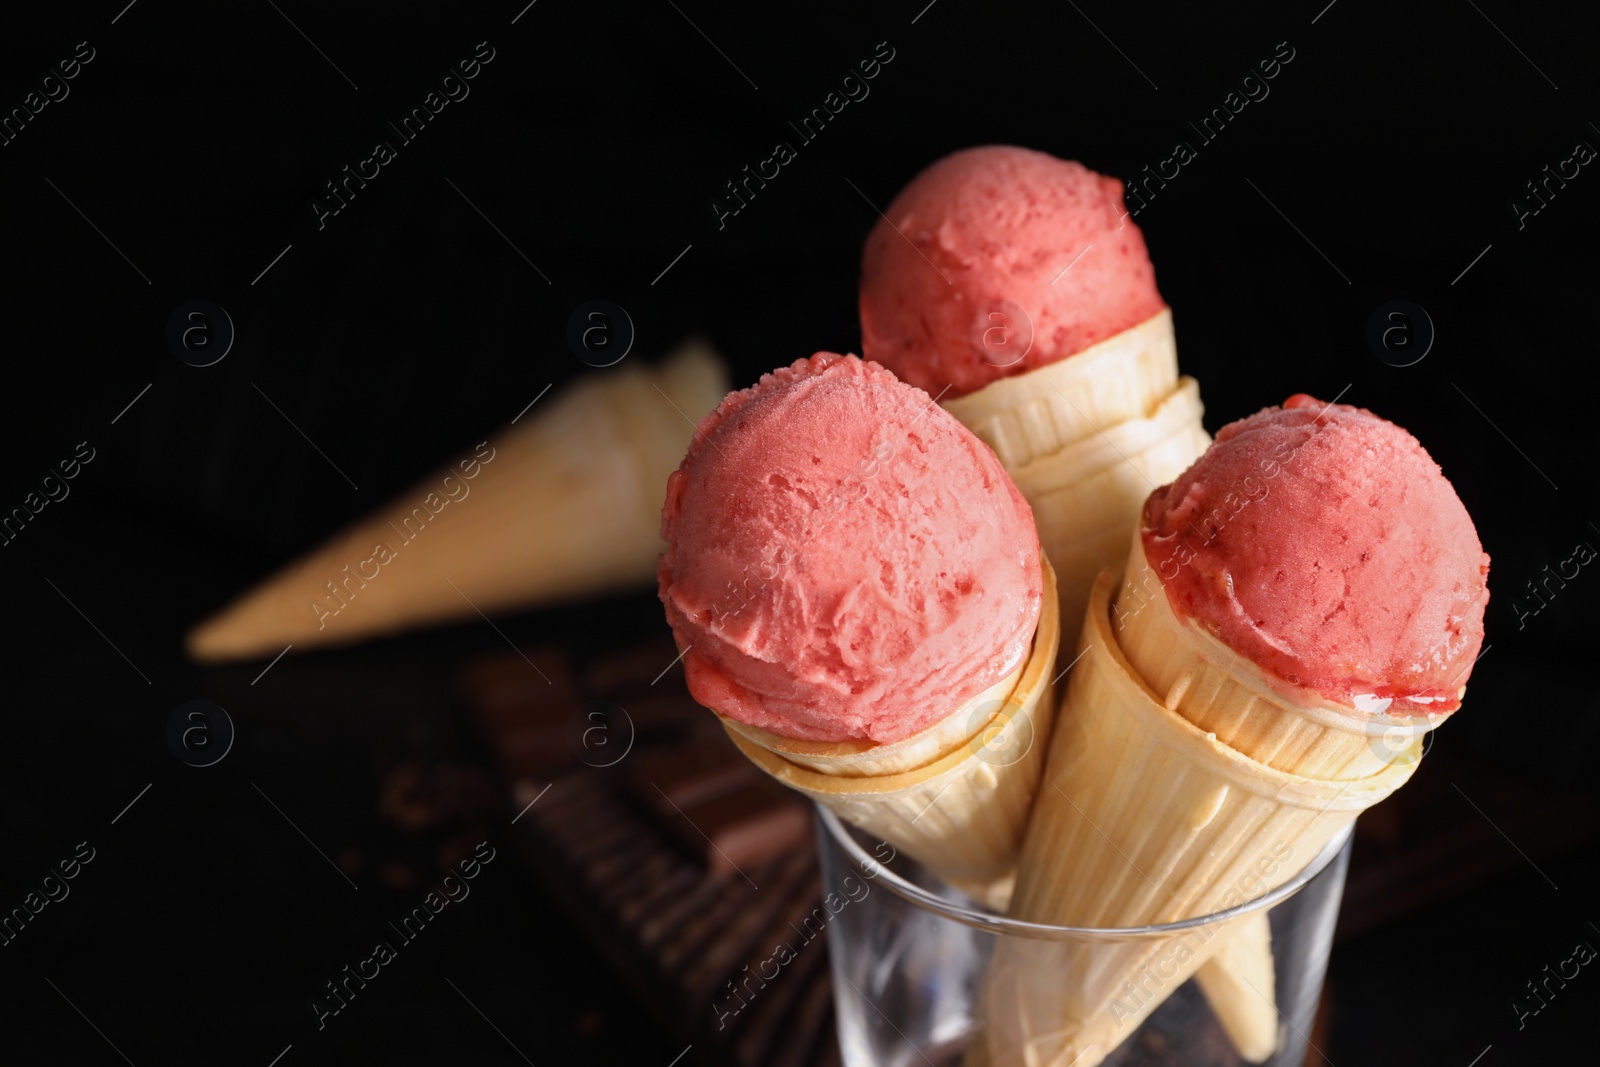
x: 962, y: 813
x: 1281, y: 725
x: 1141, y: 819
x: 566, y: 503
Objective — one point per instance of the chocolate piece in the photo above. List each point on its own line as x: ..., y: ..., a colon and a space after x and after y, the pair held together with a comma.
x: 518, y: 680
x: 703, y: 975
x: 640, y: 682
x: 663, y: 713
x: 634, y: 666
x: 738, y: 830
x: 622, y: 855
x: 722, y: 914
x: 766, y: 1021
x: 810, y: 1027
x: 717, y: 805
x: 632, y: 850
x: 686, y: 775
x: 525, y: 715
x: 680, y: 934
x: 659, y: 892
x: 662, y: 928
x: 594, y: 838
x: 643, y: 878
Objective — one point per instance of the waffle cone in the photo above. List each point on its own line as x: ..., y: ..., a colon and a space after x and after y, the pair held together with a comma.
x: 961, y: 815
x: 1221, y: 692
x: 1142, y: 819
x: 1040, y: 412
x: 564, y: 504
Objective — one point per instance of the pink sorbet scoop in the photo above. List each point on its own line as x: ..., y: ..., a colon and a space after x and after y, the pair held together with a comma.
x: 1323, y: 543
x: 844, y: 559
x: 997, y: 260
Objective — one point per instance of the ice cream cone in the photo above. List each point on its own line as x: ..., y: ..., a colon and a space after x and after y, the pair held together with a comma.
x: 1223, y: 693
x: 1036, y: 414
x: 962, y: 814
x: 862, y: 759
x: 1086, y: 439
x: 1142, y: 819
x: 564, y: 504
x: 1086, y: 495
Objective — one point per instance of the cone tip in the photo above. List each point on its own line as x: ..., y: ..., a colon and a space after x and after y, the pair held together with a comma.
x: 207, y: 641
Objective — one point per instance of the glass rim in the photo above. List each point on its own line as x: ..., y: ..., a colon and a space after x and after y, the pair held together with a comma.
x: 999, y: 924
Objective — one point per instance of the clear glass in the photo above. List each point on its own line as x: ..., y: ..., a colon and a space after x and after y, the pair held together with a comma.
x: 911, y: 958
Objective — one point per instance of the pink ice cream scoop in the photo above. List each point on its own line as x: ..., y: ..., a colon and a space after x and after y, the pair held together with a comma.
x: 1325, y: 544
x: 997, y: 260
x: 844, y: 559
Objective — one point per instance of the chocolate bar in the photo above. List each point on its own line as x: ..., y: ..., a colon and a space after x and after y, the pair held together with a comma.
x: 684, y: 864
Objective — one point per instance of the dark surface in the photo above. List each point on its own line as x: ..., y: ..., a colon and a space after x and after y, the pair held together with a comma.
x: 408, y: 328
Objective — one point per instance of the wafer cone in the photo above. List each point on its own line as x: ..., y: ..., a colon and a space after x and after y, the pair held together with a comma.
x: 1142, y: 819
x: 1086, y: 439
x: 1085, y: 496
x: 564, y: 504
x: 962, y: 814
x: 1035, y: 414
x: 1238, y: 982
x: 1221, y: 692
x: 864, y: 759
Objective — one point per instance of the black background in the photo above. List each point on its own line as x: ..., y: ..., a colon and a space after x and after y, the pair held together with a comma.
x: 407, y: 327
